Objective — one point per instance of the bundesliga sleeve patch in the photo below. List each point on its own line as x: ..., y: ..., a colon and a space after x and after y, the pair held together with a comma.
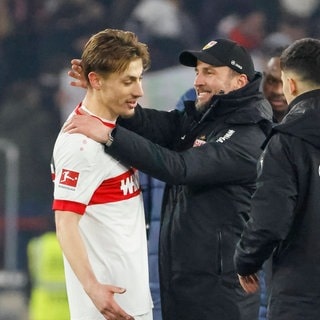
x: 69, y: 178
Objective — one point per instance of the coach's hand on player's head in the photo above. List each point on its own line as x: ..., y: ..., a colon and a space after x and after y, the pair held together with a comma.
x: 76, y: 73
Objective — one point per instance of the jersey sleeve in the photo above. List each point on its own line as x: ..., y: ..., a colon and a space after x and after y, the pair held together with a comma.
x: 76, y: 175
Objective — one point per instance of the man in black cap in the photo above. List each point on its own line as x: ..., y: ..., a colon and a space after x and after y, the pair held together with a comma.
x: 207, y: 155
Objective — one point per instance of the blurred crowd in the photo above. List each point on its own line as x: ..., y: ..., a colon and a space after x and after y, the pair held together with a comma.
x: 39, y: 37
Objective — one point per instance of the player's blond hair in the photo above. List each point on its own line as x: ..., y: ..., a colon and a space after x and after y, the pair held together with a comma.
x: 111, y: 51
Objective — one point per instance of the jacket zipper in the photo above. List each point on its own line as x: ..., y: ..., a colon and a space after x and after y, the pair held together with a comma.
x: 219, y: 254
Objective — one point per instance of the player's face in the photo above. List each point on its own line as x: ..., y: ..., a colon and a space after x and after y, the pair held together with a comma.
x: 120, y: 91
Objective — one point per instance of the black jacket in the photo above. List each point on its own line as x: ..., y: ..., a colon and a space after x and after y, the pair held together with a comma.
x: 207, y: 198
x: 285, y: 216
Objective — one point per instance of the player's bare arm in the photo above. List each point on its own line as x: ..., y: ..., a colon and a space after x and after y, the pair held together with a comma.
x: 102, y: 295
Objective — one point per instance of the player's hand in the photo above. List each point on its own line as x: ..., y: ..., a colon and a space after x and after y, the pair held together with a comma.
x: 102, y: 296
x: 250, y: 283
x: 89, y: 126
x: 76, y: 73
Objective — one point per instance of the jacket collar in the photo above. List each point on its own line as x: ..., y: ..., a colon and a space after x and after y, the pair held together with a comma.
x: 303, y: 118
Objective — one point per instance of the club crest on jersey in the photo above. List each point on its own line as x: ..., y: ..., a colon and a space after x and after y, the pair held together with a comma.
x: 69, y: 178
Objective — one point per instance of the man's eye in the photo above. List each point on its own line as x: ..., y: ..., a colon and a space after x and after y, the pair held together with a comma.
x: 273, y: 81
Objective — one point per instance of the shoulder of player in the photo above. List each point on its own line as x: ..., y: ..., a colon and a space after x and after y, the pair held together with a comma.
x: 77, y: 145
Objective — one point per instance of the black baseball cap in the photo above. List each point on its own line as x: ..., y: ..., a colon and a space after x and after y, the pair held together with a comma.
x: 219, y: 53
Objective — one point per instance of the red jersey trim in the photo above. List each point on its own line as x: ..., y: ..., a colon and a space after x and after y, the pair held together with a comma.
x: 122, y: 187
x: 66, y: 205
x: 108, y: 124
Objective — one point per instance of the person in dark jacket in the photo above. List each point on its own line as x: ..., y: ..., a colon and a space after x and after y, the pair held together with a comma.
x: 207, y: 155
x: 284, y: 219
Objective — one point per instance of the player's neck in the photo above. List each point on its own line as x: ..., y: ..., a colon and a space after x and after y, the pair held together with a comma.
x: 96, y: 108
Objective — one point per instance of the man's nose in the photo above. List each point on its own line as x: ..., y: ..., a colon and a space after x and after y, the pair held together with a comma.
x: 198, y: 80
x: 138, y: 90
x: 278, y: 88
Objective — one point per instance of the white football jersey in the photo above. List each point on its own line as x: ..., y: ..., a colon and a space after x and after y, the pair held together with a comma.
x: 107, y: 194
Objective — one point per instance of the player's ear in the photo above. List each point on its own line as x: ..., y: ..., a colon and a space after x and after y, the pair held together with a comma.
x: 94, y: 80
x: 292, y: 86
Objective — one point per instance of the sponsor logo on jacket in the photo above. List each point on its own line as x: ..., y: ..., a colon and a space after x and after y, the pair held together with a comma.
x: 226, y: 136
